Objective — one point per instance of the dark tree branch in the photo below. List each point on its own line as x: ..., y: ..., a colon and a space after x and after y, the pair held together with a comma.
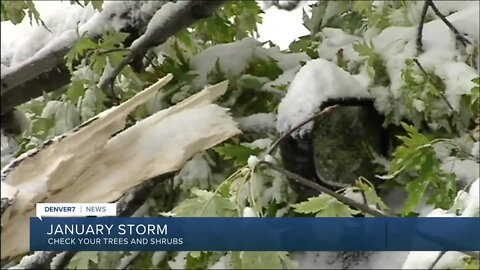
x: 301, y: 124
x: 425, y: 73
x: 303, y: 181
x: 164, y: 24
x: 420, y: 27
x: 429, y: 3
x: 458, y: 35
x: 47, y: 82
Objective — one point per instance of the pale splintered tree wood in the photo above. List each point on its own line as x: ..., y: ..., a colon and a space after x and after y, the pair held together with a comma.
x: 90, y: 165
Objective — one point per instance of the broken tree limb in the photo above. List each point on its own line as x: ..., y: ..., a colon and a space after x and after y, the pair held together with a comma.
x: 69, y: 168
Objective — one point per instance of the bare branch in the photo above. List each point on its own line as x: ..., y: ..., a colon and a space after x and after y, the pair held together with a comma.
x: 322, y: 189
x: 458, y: 35
x: 420, y: 27
x: 306, y: 121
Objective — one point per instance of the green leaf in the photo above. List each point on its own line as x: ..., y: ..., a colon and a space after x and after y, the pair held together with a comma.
x: 324, y: 206
x: 75, y: 91
x: 239, y: 153
x: 81, y: 47
x: 205, y: 204
x: 416, y: 190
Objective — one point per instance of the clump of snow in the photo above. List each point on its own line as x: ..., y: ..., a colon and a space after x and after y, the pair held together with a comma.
x: 196, y: 173
x: 248, y: 212
x: 158, y: 257
x: 269, y: 158
x: 263, y: 143
x: 466, y: 170
x: 23, y: 42
x: 283, y: 80
x: 159, y: 19
x: 333, y: 40
x: 316, y: 82
x: 476, y: 150
x: 472, y: 208
x: 425, y: 260
x: 66, y: 116
x: 350, y: 260
x: 253, y: 161
x: 234, y: 58
x: 222, y: 263
x: 259, y: 122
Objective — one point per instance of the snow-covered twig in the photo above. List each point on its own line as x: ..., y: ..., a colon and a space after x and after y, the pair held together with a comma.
x: 458, y: 35
x: 170, y: 19
x: 38, y: 260
x: 429, y: 3
x: 295, y: 128
x: 425, y: 73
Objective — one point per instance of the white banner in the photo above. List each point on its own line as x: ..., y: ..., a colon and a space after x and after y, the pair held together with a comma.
x: 76, y: 209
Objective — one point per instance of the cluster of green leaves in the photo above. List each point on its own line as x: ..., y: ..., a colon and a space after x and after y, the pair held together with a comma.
x: 15, y: 11
x: 234, y: 21
x: 416, y: 166
x: 375, y: 63
x: 108, y: 49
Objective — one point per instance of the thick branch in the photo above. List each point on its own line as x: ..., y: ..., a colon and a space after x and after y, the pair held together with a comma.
x: 44, y: 82
x: 165, y: 23
x: 48, y: 72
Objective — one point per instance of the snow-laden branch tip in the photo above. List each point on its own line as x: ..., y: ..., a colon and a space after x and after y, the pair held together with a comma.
x: 66, y: 169
x: 170, y: 19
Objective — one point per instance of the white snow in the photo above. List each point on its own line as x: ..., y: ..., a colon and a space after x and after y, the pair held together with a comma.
x: 262, y: 143
x: 66, y: 116
x: 269, y: 158
x: 158, y: 257
x: 159, y: 19
x: 259, y: 122
x: 472, y: 207
x: 253, y: 161
x: 195, y: 173
x: 234, y: 58
x: 248, y: 212
x: 476, y: 150
x: 425, y: 260
x: 315, y: 83
x: 466, y: 170
x: 22, y: 42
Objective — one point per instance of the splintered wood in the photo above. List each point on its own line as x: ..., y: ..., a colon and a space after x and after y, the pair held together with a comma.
x: 98, y: 163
